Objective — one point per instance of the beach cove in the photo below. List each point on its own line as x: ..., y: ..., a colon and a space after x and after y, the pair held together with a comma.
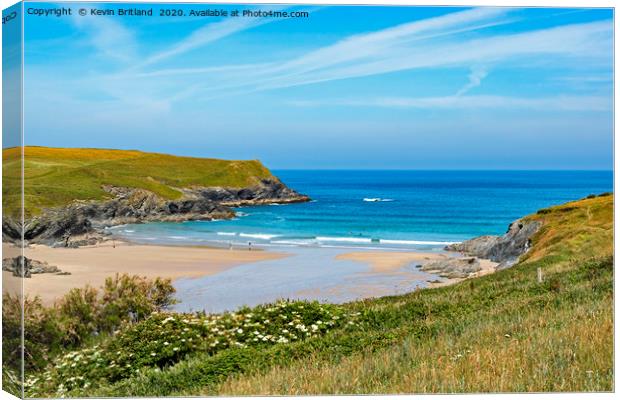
x: 217, y: 279
x: 363, y: 234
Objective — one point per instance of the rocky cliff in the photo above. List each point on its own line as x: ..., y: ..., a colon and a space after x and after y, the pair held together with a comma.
x: 505, y: 249
x: 82, y: 222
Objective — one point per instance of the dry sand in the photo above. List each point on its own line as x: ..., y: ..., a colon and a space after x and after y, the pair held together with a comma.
x: 392, y: 262
x: 91, y: 265
x: 389, y: 261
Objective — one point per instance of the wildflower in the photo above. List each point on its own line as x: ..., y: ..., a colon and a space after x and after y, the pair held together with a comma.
x: 153, y: 354
x: 239, y: 331
x: 175, y: 349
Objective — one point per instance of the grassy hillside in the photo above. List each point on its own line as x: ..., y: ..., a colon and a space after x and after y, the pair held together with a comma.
x: 56, y: 176
x: 498, y: 333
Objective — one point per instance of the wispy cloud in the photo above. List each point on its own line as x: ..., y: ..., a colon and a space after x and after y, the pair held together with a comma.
x: 208, y: 34
x: 589, y: 40
x: 425, y: 44
x: 378, y: 44
x: 454, y: 40
x: 475, y: 77
x: 557, y: 103
x: 111, y: 39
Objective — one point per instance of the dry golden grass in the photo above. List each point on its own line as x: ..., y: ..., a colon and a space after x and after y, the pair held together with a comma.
x: 530, y: 354
x: 581, y: 229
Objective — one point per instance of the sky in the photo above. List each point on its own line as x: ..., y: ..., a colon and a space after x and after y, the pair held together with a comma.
x: 11, y: 76
x: 363, y: 87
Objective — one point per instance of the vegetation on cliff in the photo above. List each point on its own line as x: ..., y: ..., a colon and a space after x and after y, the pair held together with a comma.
x: 501, y: 332
x: 57, y: 176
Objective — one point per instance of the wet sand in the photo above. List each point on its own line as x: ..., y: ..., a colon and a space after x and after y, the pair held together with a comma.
x: 389, y: 261
x: 93, y: 264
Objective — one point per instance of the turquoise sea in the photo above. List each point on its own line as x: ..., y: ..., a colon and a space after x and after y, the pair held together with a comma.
x: 385, y: 209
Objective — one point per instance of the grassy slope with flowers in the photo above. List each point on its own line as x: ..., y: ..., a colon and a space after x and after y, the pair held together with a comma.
x: 501, y: 332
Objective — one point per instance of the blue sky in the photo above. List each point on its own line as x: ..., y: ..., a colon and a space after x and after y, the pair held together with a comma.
x: 11, y: 76
x: 348, y: 87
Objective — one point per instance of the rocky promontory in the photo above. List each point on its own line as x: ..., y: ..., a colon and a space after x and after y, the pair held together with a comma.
x: 505, y: 249
x: 83, y: 222
x: 485, y: 254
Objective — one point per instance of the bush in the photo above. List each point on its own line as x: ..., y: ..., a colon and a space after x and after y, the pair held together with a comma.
x: 79, y: 316
x: 133, y: 298
x: 42, y: 332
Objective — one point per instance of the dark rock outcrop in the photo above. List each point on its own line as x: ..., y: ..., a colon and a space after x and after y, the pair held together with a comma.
x: 82, y: 222
x: 505, y: 249
x: 267, y: 192
x: 24, y: 266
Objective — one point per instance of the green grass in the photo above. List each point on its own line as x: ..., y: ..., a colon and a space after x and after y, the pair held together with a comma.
x: 503, y: 332
x: 57, y: 176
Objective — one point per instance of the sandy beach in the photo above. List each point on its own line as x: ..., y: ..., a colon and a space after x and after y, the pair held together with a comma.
x: 382, y: 272
x: 91, y: 265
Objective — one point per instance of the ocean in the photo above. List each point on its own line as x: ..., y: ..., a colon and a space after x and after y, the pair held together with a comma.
x: 421, y: 210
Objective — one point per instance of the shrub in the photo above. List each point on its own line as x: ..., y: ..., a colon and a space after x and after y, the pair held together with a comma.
x: 42, y: 332
x: 133, y: 298
x: 79, y: 316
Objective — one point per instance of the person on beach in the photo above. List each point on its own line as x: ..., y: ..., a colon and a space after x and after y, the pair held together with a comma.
x: 249, y: 246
